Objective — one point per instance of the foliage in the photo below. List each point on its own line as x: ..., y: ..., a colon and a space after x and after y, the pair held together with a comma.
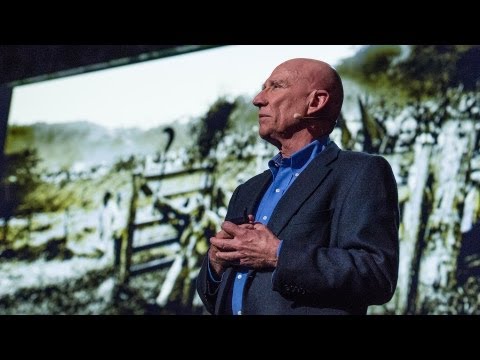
x: 244, y: 116
x: 417, y: 71
x: 432, y: 69
x: 371, y: 65
x: 125, y: 164
x: 211, y: 128
x: 18, y: 138
x: 454, y: 300
x: 19, y: 182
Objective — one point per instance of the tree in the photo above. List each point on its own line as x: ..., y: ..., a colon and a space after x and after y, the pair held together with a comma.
x: 432, y: 69
x: 211, y: 128
x: 417, y: 71
x: 20, y: 179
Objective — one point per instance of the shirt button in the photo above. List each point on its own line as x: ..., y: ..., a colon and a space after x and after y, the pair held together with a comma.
x: 239, y: 276
x: 239, y: 312
x: 277, y: 190
x: 264, y: 217
x: 296, y: 174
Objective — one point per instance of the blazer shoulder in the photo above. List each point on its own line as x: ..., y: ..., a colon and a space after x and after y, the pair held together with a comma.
x: 360, y: 159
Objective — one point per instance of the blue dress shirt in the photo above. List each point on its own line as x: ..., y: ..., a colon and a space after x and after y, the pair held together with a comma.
x: 284, y: 171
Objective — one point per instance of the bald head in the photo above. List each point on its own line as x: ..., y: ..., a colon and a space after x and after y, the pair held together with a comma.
x: 316, y: 74
x: 299, y: 102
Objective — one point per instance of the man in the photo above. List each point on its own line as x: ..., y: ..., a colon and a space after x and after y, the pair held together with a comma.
x: 325, y: 235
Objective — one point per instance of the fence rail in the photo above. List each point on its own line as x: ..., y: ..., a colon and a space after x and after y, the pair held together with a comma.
x: 125, y: 248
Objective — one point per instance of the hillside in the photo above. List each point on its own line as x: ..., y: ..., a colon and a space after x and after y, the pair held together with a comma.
x: 85, y: 144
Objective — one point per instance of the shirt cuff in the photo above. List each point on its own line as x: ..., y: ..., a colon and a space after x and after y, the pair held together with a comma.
x: 211, y: 276
x: 279, y: 247
x: 278, y: 254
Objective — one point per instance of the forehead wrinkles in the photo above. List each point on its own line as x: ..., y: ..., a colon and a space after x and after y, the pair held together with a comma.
x: 284, y: 76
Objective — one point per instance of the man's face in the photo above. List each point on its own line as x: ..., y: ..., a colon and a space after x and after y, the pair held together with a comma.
x: 283, y: 94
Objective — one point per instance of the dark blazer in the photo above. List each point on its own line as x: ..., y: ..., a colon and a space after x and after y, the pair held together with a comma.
x: 339, y: 225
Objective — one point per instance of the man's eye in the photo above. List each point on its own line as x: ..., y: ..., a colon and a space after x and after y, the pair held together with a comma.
x: 272, y: 86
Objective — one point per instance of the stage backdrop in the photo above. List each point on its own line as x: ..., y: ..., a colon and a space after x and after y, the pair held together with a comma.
x: 114, y: 180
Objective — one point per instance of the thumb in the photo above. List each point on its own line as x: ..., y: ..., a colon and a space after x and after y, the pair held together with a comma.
x: 259, y: 226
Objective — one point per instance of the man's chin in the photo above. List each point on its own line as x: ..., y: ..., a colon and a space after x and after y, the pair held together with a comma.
x: 264, y: 135
x: 268, y: 138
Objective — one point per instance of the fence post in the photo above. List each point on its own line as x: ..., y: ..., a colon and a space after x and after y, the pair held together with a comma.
x: 127, y: 238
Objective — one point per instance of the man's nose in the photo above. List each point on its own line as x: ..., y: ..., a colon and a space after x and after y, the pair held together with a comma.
x: 259, y: 100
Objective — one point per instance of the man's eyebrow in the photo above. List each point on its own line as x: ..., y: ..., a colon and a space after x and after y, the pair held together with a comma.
x: 274, y: 82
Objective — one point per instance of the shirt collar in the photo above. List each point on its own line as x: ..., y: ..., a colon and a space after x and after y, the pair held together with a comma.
x: 300, y: 158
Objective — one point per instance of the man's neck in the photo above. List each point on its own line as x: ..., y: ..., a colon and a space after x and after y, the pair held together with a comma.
x: 288, y: 147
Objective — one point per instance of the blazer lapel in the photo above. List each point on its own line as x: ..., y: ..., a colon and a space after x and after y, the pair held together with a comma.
x: 257, y: 189
x: 303, y: 186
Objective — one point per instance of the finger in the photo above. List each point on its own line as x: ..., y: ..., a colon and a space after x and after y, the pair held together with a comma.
x: 212, y: 254
x: 231, y: 256
x: 233, y: 229
x: 223, y: 245
x: 213, y: 248
x: 246, y: 226
x: 259, y: 226
x: 251, y: 218
x: 222, y: 234
x: 214, y: 240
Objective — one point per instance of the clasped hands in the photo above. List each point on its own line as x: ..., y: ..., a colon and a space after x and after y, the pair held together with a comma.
x: 252, y: 245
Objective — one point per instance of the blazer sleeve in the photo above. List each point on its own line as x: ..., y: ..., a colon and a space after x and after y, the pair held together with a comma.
x: 360, y: 266
x: 207, y: 289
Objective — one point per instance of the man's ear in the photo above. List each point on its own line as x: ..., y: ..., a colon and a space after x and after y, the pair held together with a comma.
x: 318, y: 101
